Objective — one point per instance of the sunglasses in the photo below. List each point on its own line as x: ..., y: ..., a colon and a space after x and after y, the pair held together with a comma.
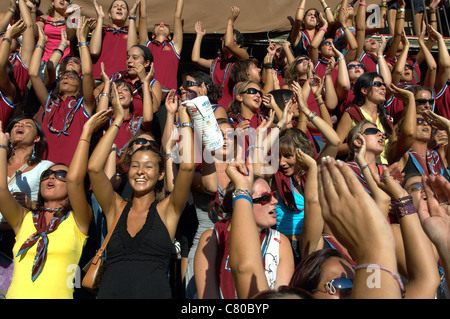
x: 252, y: 91
x: 409, y: 66
x: 74, y: 60
x: 158, y: 24
x: 190, y: 83
x: 343, y: 285
x: 359, y: 65
x: 264, y: 199
x: 379, y: 84
x: 327, y: 43
x: 60, y: 175
x: 414, y: 187
x: 421, y: 121
x: 300, y: 61
x: 424, y: 101
x: 373, y: 131
x: 144, y: 141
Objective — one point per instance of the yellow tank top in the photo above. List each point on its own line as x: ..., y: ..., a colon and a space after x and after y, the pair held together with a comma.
x: 65, y: 246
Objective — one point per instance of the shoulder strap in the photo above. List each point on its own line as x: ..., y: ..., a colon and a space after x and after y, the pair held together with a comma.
x: 13, y: 178
x: 99, y: 253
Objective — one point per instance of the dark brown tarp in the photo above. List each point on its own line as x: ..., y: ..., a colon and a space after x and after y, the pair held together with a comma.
x: 256, y: 15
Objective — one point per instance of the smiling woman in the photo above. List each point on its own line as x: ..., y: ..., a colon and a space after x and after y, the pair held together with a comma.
x: 141, y: 244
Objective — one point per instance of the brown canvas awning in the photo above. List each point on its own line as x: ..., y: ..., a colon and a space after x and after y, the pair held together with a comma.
x: 256, y: 15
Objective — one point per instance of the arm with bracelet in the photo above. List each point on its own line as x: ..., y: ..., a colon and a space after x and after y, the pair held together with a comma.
x: 421, y: 269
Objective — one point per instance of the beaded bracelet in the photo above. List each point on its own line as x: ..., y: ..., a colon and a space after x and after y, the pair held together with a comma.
x: 104, y: 94
x: 403, y: 206
x: 242, y: 197
x: 396, y: 276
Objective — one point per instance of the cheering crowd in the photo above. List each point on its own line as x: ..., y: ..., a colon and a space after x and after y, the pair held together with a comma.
x: 333, y: 166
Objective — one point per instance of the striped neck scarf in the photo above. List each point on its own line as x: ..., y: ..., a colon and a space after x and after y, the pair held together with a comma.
x: 40, y: 236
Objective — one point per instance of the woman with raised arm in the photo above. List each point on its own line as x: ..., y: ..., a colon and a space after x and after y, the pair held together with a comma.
x: 109, y: 44
x: 231, y: 50
x: 68, y: 107
x: 166, y: 48
x: 137, y: 266
x: 304, y: 29
x: 51, y: 237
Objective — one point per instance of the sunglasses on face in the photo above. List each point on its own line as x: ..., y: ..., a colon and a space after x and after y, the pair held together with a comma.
x: 373, y: 131
x: 359, y: 65
x: 327, y: 43
x: 158, y: 24
x: 60, y: 175
x: 421, y: 121
x: 424, y: 101
x: 252, y: 91
x: 264, y: 199
x: 74, y: 60
x: 379, y: 84
x: 414, y: 187
x: 144, y: 141
x: 343, y: 285
x: 190, y: 83
x: 409, y: 66
x: 300, y: 61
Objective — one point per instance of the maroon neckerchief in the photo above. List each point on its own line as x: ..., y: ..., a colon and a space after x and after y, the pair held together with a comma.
x: 338, y: 247
x: 40, y: 236
x: 284, y: 187
x: 355, y: 113
x: 70, y: 104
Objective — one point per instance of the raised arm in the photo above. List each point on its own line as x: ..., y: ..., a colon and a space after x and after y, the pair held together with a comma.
x: 86, y: 66
x: 430, y: 76
x: 101, y: 185
x: 132, y: 38
x: 245, y: 247
x: 28, y: 39
x: 177, y: 199
x: 408, y: 127
x: 77, y: 171
x: 11, y: 210
x: 313, y: 222
x: 360, y: 26
x: 315, y: 42
x: 443, y: 74
x: 54, y: 59
x: 7, y: 87
x: 423, y: 276
x: 399, y: 29
x: 229, y: 43
x: 95, y: 45
x: 399, y: 67
x: 357, y: 222
x: 298, y: 20
x: 143, y: 27
x: 196, y: 48
x: 147, y: 101
x: 177, y: 38
x: 435, y: 218
x: 33, y: 71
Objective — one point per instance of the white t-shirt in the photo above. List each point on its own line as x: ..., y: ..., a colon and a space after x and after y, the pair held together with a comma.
x: 29, y: 181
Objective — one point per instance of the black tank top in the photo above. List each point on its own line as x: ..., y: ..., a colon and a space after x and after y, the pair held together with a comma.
x: 137, y: 267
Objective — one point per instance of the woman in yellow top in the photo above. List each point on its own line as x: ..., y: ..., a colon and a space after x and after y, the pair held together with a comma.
x: 50, y: 238
x: 370, y: 95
